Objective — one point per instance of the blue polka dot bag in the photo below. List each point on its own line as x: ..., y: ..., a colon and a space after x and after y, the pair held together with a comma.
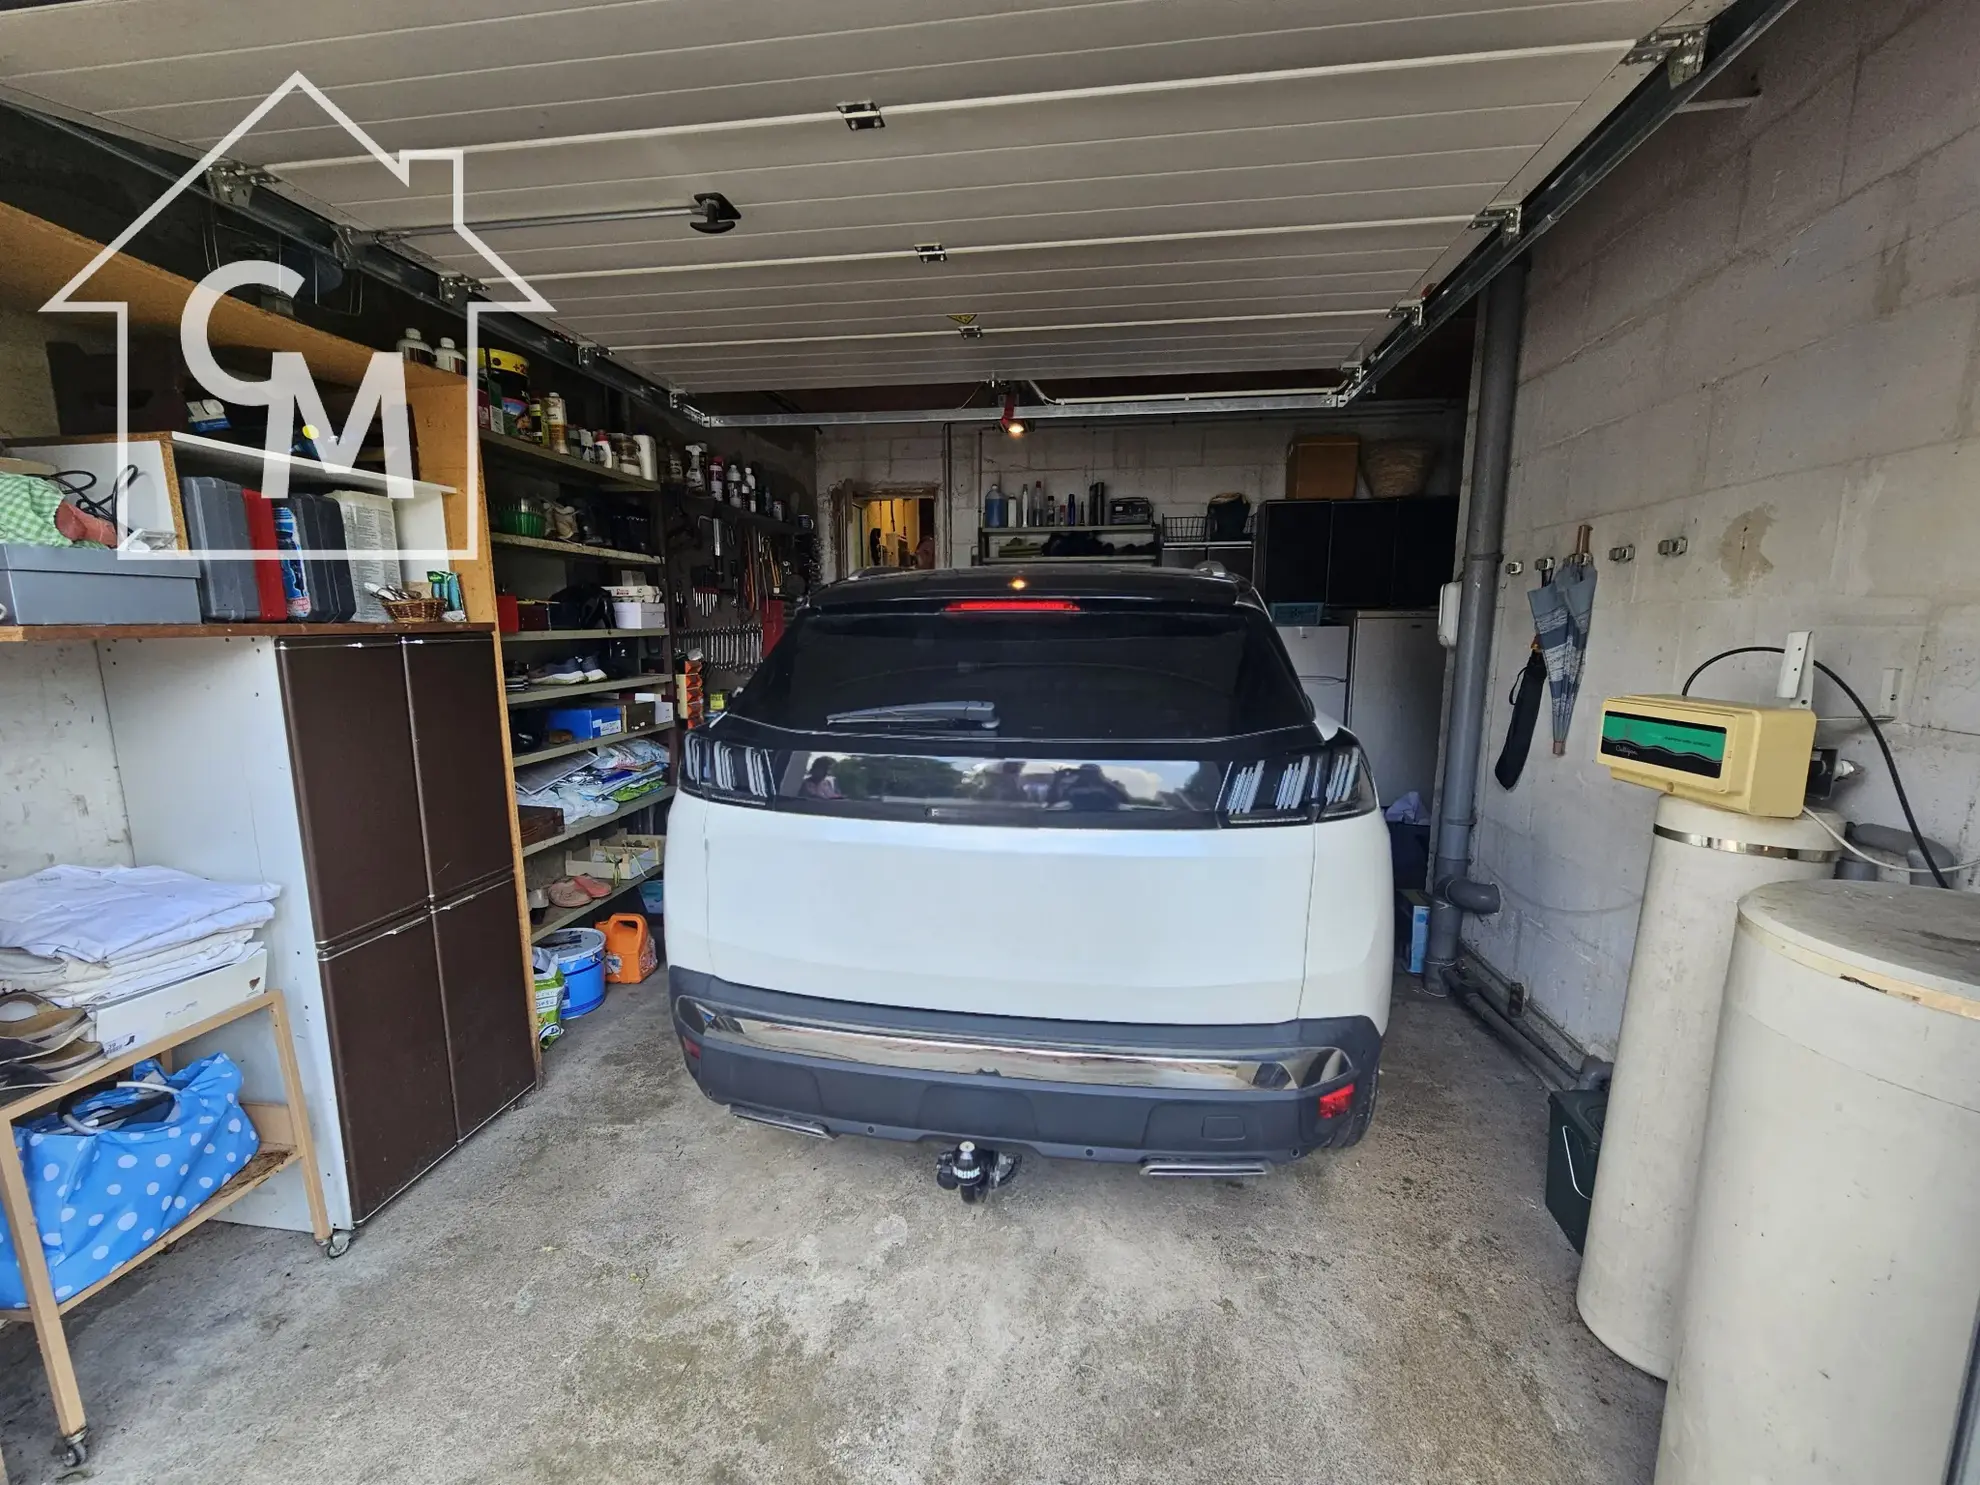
x: 112, y: 1173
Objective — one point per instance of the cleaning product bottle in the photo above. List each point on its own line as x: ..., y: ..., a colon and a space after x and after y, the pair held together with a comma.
x: 413, y: 346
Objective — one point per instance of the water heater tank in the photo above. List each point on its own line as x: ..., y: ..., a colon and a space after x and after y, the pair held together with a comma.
x: 1702, y: 861
x: 1833, y: 1277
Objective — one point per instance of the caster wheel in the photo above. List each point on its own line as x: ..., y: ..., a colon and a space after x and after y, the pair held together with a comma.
x: 75, y: 1450
x: 337, y: 1245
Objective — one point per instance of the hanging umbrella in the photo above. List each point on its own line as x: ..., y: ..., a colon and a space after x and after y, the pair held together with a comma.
x: 1561, y: 613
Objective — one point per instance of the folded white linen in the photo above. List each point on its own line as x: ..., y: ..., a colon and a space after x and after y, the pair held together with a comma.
x: 162, y: 971
x: 96, y: 912
x: 46, y: 974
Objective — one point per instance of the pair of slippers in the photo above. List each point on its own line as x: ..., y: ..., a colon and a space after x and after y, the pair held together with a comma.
x: 41, y: 1042
x: 576, y: 891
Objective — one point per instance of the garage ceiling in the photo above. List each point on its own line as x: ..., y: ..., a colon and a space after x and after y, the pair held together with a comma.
x: 1123, y: 187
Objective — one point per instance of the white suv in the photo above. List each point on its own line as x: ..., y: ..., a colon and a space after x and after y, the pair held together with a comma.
x: 1054, y: 858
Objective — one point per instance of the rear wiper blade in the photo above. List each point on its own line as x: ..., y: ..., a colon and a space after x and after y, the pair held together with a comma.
x: 980, y: 715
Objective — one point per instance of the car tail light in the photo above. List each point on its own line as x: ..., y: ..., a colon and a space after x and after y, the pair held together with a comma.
x: 1326, y: 783
x: 1337, y: 1101
x: 1012, y: 606
x: 723, y: 770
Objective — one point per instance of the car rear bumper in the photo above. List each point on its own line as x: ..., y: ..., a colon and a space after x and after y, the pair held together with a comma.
x: 1065, y: 1089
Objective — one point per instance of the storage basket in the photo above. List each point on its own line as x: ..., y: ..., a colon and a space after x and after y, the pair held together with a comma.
x: 414, y: 610
x: 1396, y: 469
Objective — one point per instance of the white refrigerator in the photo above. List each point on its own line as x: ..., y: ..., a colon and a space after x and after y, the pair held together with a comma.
x: 1320, y: 659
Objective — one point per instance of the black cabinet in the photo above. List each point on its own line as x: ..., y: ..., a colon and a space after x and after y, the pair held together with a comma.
x: 350, y: 743
x: 395, y: 744
x: 1355, y: 554
x: 479, y: 941
x: 388, y: 1044
x: 456, y: 742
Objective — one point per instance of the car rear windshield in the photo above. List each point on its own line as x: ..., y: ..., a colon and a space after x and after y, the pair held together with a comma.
x: 1095, y: 673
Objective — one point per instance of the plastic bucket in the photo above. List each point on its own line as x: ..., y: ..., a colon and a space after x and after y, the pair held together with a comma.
x: 581, y: 956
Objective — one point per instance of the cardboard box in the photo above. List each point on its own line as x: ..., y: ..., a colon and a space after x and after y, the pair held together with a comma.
x: 636, y: 615
x: 1412, y: 929
x: 1323, y: 467
x: 131, y: 1020
x: 638, y: 714
x: 583, y: 722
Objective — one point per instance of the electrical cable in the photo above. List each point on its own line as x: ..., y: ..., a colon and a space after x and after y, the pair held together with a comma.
x: 1862, y: 855
x: 1890, y: 762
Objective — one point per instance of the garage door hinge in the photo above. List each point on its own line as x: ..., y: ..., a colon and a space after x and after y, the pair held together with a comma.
x: 862, y: 116
x: 1680, y: 48
x: 231, y: 183
x: 931, y: 252
x: 1507, y: 219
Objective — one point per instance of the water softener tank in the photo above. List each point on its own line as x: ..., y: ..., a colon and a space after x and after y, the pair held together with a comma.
x: 1702, y: 861
x: 1833, y: 1276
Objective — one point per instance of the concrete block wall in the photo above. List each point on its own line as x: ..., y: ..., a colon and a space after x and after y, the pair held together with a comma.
x: 1762, y: 334
x: 1177, y: 466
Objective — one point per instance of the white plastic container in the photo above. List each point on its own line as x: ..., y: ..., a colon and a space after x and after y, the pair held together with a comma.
x: 1702, y: 861
x: 1833, y: 1276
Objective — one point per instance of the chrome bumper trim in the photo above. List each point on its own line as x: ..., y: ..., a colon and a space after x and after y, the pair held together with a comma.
x: 1304, y: 1067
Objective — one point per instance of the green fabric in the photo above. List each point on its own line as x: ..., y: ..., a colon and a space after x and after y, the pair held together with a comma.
x: 27, y: 511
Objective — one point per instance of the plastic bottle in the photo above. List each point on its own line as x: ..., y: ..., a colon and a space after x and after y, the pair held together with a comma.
x: 413, y: 346
x: 449, y: 357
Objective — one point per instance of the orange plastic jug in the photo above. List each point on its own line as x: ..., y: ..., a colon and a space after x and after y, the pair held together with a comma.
x: 631, y: 954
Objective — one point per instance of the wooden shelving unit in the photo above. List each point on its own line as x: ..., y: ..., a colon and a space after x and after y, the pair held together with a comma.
x: 562, y: 466
x: 559, y: 636
x: 283, y: 1129
x: 564, y: 917
x: 574, y: 549
x: 550, y: 695
x: 565, y: 750
x: 599, y: 822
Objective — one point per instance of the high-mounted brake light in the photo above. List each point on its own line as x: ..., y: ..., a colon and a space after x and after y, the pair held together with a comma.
x: 1012, y: 606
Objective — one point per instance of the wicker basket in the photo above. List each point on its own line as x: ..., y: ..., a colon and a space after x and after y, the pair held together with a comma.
x: 413, y: 610
x: 1397, y: 468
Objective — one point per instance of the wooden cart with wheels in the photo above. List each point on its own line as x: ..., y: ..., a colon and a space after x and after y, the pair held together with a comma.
x: 285, y: 1141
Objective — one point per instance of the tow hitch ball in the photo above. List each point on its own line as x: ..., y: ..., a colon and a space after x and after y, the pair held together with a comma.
x: 975, y: 1172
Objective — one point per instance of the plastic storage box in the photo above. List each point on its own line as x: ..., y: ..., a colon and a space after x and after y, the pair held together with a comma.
x: 93, y: 585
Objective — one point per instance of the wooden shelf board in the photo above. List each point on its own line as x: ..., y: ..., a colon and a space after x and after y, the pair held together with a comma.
x: 564, y: 917
x: 564, y: 464
x: 538, y: 695
x: 241, y: 460
x: 599, y: 822
x: 267, y: 1162
x: 69, y: 634
x: 1027, y: 530
x: 548, y: 636
x: 573, y: 549
x: 564, y: 750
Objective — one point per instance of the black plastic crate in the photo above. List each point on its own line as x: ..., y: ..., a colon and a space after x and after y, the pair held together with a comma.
x: 1574, y: 1144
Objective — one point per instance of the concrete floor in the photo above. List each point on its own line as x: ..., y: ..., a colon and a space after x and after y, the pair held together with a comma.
x: 619, y: 1282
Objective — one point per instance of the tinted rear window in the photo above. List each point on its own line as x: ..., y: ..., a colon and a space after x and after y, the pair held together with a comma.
x: 1131, y: 675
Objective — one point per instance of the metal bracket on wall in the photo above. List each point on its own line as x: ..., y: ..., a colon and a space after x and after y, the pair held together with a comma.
x: 1410, y: 310
x: 1506, y: 219
x: 1515, y: 568
x: 1544, y: 565
x: 456, y: 288
x: 1624, y: 553
x: 586, y: 354
x: 1672, y: 546
x: 1680, y: 48
x: 232, y: 184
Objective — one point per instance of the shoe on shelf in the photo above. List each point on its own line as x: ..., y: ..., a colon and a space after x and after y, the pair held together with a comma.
x: 566, y: 894
x: 592, y: 886
x: 560, y: 678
